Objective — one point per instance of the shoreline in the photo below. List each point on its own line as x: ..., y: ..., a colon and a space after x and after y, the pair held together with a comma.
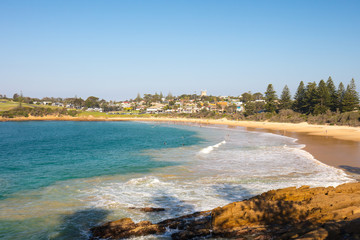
x: 337, y: 146
x: 338, y: 132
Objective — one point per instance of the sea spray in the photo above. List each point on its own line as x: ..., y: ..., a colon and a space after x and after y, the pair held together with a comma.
x: 211, y: 148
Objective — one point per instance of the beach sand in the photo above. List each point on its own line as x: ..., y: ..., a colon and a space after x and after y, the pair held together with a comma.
x: 337, y: 146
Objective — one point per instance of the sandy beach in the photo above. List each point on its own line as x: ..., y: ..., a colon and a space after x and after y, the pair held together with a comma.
x: 337, y: 146
x: 338, y: 132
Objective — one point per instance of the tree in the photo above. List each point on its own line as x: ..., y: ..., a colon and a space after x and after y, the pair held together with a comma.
x: 333, y: 95
x: 250, y: 108
x: 20, y: 99
x: 270, y: 97
x: 340, y: 96
x: 156, y: 98
x: 246, y: 97
x: 351, y: 97
x: 299, y: 99
x: 169, y: 96
x: 285, y: 99
x: 138, y: 98
x: 78, y: 103
x: 323, y: 98
x: 311, y: 97
x: 258, y: 96
x: 16, y: 96
x: 92, y: 102
x: 253, y: 107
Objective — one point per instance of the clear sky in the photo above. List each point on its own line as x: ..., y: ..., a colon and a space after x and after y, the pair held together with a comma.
x: 114, y: 49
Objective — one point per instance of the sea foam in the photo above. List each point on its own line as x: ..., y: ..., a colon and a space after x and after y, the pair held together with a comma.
x: 211, y: 148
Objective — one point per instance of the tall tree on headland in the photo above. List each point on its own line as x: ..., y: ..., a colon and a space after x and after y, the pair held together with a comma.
x: 270, y: 97
x: 311, y: 97
x: 169, y: 96
x: 333, y: 95
x: 138, y: 98
x: 285, y: 99
x: 351, y: 97
x: 299, y: 99
x: 323, y: 98
x: 340, y: 96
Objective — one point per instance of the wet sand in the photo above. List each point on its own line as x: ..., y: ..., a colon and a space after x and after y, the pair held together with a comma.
x: 343, y: 154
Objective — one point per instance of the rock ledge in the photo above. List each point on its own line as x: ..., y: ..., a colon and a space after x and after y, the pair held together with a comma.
x: 290, y: 213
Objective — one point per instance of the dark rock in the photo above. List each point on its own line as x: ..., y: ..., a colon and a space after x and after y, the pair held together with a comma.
x: 290, y: 213
x: 148, y: 209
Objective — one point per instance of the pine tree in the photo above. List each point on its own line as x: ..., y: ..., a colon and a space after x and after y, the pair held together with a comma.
x: 311, y: 97
x: 351, y: 97
x: 323, y: 98
x: 270, y: 97
x: 333, y: 94
x: 138, y: 98
x: 299, y: 99
x: 285, y: 99
x: 169, y: 96
x: 340, y: 96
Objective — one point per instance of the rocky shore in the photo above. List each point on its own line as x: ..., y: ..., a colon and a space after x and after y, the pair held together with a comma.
x: 290, y: 213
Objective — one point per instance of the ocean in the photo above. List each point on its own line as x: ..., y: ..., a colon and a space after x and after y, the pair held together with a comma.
x: 58, y: 179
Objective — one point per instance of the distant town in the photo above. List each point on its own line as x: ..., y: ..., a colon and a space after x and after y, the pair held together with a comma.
x: 309, y: 103
x: 149, y: 103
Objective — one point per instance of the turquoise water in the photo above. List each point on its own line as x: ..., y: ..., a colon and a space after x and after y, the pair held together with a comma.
x: 58, y: 179
x: 37, y: 154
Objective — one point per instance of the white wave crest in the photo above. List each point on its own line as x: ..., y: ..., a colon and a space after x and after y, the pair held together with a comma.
x: 211, y: 148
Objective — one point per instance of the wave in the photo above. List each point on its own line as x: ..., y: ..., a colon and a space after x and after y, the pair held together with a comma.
x: 211, y: 148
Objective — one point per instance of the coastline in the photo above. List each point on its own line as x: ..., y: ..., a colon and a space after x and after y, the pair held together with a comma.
x: 337, y: 146
x: 208, y: 221
x: 338, y: 132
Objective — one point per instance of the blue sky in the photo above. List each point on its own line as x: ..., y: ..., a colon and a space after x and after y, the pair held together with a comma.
x: 114, y: 49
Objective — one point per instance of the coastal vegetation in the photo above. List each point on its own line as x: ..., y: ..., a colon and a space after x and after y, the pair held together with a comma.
x: 315, y: 103
x: 37, y: 112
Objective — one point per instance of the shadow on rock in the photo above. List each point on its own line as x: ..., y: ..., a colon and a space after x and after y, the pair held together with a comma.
x: 77, y: 225
x: 289, y: 213
x: 175, y: 205
x: 231, y: 192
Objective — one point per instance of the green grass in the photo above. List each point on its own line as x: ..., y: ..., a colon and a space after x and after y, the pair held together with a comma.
x: 94, y: 114
x: 6, y: 105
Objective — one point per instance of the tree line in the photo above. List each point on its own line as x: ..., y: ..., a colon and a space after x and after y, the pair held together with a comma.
x: 312, y: 99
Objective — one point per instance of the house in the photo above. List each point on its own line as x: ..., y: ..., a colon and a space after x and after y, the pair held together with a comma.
x: 140, y: 108
x: 94, y: 110
x: 57, y: 104
x: 157, y: 108
x: 152, y: 110
x: 212, y: 107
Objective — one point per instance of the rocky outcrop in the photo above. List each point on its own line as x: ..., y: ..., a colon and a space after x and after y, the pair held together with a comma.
x: 301, y: 213
x: 148, y: 209
x: 125, y: 228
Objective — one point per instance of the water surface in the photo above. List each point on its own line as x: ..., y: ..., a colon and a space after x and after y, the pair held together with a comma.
x: 60, y: 178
